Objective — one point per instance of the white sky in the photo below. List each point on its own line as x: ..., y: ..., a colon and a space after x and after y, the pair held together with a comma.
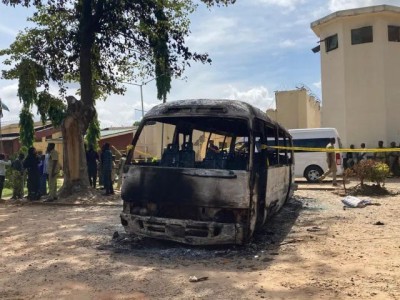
x: 257, y: 47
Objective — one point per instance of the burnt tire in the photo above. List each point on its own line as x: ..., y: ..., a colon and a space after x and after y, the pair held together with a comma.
x: 312, y: 173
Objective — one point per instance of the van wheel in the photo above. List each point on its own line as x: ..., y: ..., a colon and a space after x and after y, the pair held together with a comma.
x: 312, y: 173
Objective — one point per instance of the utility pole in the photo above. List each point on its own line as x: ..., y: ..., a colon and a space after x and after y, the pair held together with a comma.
x: 140, y: 85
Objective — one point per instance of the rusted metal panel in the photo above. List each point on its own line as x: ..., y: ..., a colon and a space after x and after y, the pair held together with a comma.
x: 198, y: 107
x: 202, y: 203
x: 178, y: 186
x: 184, y: 231
x: 278, y: 184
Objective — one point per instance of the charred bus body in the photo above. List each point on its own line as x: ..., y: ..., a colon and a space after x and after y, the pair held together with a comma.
x: 204, y: 174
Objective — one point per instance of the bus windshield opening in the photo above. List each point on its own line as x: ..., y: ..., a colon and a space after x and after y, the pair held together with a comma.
x: 205, y: 143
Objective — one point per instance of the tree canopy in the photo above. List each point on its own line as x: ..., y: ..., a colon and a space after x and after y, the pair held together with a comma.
x: 124, y: 40
x: 101, y: 44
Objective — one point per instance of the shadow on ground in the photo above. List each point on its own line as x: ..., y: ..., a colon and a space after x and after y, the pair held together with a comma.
x: 268, y: 239
x: 78, y: 253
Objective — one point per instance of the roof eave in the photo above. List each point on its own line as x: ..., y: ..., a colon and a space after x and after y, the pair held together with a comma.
x: 353, y: 12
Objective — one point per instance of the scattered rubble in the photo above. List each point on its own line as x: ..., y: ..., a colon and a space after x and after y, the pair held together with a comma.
x: 82, y: 252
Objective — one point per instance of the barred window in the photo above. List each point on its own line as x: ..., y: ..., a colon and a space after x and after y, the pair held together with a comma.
x: 331, y: 43
x: 393, y: 33
x: 361, y: 35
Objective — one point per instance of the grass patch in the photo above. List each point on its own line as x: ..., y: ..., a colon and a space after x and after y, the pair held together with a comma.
x: 7, y: 193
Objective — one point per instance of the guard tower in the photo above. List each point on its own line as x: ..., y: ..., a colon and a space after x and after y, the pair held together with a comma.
x: 360, y: 73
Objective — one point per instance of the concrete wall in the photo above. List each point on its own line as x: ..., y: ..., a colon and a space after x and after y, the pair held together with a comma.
x: 120, y: 142
x: 360, y: 88
x: 42, y: 146
x: 149, y: 143
x: 10, y: 147
x: 296, y: 109
x: 11, y: 128
x: 313, y: 113
x: 391, y: 79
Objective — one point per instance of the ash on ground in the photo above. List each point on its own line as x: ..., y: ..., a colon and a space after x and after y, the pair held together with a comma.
x: 267, y: 240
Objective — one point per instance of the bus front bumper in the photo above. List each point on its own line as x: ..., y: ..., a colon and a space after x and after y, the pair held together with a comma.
x: 184, y: 231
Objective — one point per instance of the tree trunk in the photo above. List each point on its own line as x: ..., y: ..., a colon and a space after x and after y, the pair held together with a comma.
x: 75, y: 167
x: 86, y: 38
x: 79, y: 113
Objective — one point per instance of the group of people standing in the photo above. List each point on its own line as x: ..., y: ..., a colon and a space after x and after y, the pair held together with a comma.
x: 391, y: 158
x: 41, y: 171
x: 103, y: 166
x: 37, y: 171
x: 353, y: 158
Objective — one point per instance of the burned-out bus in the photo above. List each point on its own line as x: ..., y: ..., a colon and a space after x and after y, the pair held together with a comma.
x: 201, y: 172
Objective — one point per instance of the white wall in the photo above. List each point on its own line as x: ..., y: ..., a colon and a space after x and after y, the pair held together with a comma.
x: 361, y: 83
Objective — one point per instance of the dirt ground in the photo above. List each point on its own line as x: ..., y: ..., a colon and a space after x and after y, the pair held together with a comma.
x: 314, y: 249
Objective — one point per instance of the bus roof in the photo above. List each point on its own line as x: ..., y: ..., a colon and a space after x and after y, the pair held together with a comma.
x: 209, y: 107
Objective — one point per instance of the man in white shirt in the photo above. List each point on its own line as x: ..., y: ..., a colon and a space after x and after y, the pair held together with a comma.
x: 45, y: 178
x: 53, y: 168
x: 3, y: 164
x: 331, y: 161
x: 362, y: 155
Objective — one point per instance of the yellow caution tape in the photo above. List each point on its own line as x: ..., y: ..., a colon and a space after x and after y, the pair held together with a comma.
x: 341, y: 150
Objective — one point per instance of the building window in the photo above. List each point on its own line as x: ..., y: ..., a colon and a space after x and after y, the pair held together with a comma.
x: 331, y: 43
x: 393, y: 33
x: 361, y: 35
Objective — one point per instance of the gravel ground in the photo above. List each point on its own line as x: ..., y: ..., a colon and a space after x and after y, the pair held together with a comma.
x: 313, y: 249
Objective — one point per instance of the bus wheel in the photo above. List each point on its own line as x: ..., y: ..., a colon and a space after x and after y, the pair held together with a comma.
x: 312, y: 173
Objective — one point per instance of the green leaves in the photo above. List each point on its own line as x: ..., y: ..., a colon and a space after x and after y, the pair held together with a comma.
x: 27, y: 131
x: 369, y: 170
x: 50, y: 108
x: 218, y: 2
x: 159, y: 44
x: 93, y: 133
x: 102, y: 43
x: 30, y: 76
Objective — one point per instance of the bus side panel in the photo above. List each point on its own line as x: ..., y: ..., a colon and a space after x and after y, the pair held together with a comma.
x: 278, y: 184
x: 203, y: 188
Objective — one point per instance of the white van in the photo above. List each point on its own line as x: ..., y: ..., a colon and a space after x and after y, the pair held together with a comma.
x: 312, y: 165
